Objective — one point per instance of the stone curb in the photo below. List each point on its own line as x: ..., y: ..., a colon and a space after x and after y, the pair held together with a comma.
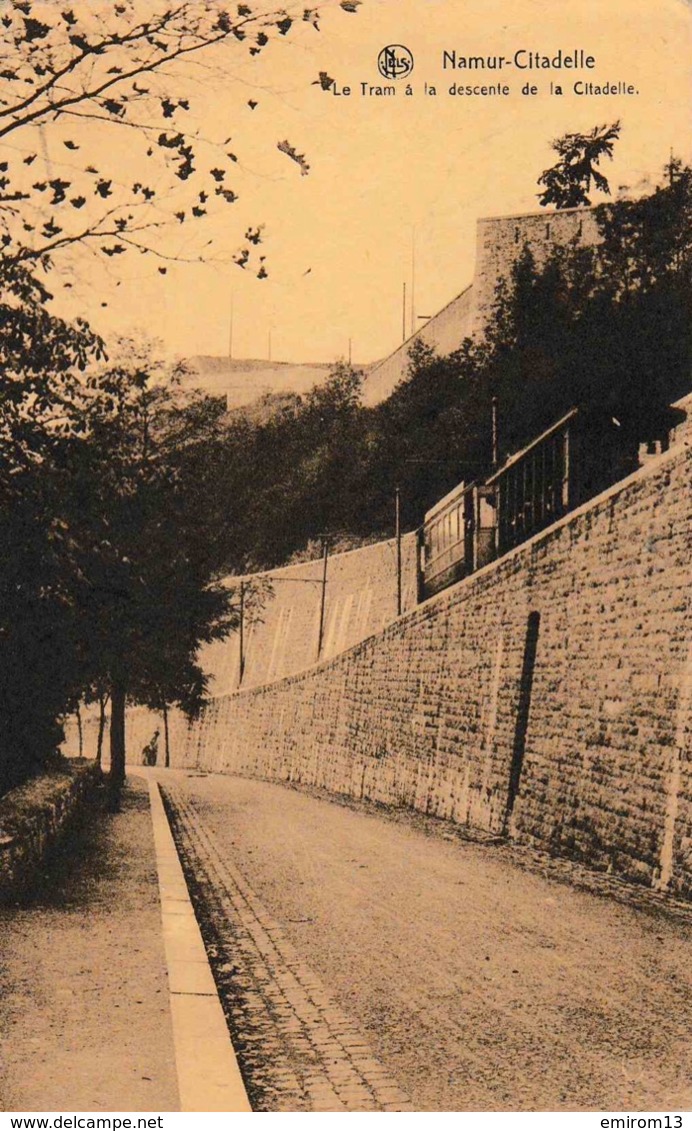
x: 208, y: 1075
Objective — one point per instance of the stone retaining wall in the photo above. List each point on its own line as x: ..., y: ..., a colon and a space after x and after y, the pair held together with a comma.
x: 549, y: 695
x: 33, y: 819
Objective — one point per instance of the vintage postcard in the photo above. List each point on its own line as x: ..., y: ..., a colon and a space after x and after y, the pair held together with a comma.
x: 345, y: 543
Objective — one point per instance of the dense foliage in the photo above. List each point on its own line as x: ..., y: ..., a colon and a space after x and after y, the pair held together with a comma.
x: 608, y: 325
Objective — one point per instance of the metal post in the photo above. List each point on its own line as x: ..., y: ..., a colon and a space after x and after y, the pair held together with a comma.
x: 413, y: 279
x: 241, y: 635
x: 494, y: 430
x: 397, y: 504
x: 325, y: 553
x: 230, y: 333
x: 403, y: 316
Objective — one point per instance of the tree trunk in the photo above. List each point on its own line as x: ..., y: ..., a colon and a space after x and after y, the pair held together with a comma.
x: 167, y: 760
x: 103, y: 699
x: 117, y: 771
x: 78, y: 713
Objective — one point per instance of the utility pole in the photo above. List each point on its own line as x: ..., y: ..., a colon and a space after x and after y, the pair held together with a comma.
x: 323, y: 595
x: 230, y: 332
x: 413, y: 279
x: 349, y: 351
x: 397, y: 519
x: 241, y: 634
x: 403, y: 316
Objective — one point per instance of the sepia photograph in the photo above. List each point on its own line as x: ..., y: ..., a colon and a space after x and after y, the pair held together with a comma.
x: 345, y: 560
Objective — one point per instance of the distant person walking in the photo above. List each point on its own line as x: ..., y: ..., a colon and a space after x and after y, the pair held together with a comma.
x: 150, y: 752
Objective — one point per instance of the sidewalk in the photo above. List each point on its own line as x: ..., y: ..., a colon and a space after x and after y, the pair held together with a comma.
x: 85, y: 1022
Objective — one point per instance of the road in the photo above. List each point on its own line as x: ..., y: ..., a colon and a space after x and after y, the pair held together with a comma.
x: 370, y: 963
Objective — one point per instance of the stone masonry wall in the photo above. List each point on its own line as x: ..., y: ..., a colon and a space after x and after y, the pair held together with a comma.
x: 560, y: 676
x: 444, y: 332
x: 501, y: 239
x: 282, y: 638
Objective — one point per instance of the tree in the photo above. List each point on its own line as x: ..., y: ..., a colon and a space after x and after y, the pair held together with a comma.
x: 608, y: 324
x: 41, y: 402
x: 567, y: 184
x: 108, y: 67
x: 146, y: 592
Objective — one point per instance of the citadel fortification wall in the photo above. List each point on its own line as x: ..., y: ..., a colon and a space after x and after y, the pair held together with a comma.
x: 499, y: 241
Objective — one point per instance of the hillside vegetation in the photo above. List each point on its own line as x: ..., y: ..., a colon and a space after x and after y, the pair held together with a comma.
x: 608, y: 325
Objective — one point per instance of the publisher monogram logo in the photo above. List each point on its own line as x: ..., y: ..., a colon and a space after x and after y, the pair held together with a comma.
x: 395, y: 61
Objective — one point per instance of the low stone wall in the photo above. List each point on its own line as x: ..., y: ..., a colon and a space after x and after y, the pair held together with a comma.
x: 549, y: 695
x: 35, y: 816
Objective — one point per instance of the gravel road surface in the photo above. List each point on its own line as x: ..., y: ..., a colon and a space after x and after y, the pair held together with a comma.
x: 368, y: 963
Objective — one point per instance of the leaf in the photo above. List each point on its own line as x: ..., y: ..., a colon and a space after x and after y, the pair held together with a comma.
x: 58, y: 186
x: 163, y: 270
x: 262, y: 273
x: 252, y: 104
x: 284, y: 25
x: 113, y: 107
x: 197, y: 211
x: 324, y: 80
x: 78, y: 201
x: 51, y: 229
x: 103, y: 188
x: 180, y: 216
x: 299, y: 158
x: 70, y: 145
x: 81, y: 42
x: 170, y: 141
x: 69, y: 17
x: 30, y: 159
x: 34, y: 29
x: 351, y: 5
x: 217, y: 174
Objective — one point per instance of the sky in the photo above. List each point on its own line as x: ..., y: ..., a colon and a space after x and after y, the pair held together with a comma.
x: 396, y: 183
